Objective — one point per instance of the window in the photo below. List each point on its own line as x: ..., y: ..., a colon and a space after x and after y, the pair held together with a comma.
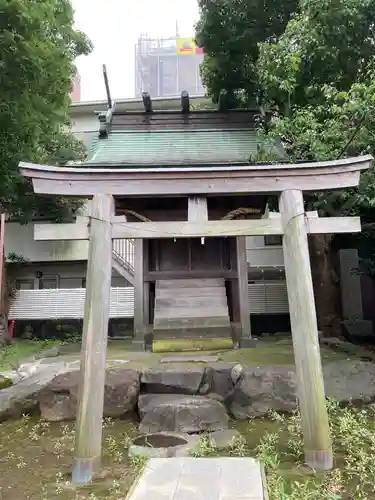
x: 273, y: 240
x: 25, y: 284
x: 47, y: 282
x: 71, y: 282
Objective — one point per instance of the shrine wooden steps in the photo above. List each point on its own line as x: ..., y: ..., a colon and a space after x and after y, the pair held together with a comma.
x: 191, y: 308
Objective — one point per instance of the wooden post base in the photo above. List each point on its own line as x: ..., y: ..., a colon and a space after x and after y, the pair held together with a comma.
x: 84, y: 469
x: 246, y: 342
x: 320, y: 460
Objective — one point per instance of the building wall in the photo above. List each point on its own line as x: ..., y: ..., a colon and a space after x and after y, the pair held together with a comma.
x: 55, y: 275
x: 85, y: 122
x: 85, y: 126
x: 261, y: 255
x: 76, y: 90
x: 19, y: 240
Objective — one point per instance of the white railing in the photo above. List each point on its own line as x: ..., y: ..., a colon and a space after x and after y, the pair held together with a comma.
x: 63, y: 303
x: 268, y: 297
x: 264, y: 298
x: 123, y: 252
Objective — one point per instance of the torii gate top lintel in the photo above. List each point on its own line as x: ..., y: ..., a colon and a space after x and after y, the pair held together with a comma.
x: 203, y: 180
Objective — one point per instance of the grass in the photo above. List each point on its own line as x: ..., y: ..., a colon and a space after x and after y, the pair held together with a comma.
x: 11, y: 356
x: 36, y: 458
x: 277, y: 442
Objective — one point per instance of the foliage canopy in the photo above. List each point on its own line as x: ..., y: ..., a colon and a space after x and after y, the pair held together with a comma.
x: 230, y: 32
x: 38, y: 47
x: 310, y: 64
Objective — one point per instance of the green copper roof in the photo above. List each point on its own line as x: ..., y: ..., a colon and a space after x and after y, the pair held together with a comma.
x: 174, y: 147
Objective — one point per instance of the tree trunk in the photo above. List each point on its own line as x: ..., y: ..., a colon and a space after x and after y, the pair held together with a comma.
x: 326, y: 285
x: 3, y: 330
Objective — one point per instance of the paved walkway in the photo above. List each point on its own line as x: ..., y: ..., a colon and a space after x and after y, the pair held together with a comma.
x: 200, y: 479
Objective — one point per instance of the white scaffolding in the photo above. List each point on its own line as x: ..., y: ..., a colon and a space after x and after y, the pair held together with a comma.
x: 162, y: 72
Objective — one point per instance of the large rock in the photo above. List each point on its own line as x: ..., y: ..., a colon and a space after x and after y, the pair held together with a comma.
x: 180, y: 413
x: 265, y: 388
x: 58, y: 400
x: 358, y: 329
x: 261, y: 389
x: 222, y: 383
x: 23, y: 397
x: 350, y: 380
x: 177, y: 380
x: 5, y: 382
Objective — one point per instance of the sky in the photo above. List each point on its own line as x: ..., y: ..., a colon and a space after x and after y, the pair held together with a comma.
x: 114, y: 26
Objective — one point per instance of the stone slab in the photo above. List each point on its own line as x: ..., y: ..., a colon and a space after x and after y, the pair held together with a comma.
x: 199, y: 479
x: 190, y: 359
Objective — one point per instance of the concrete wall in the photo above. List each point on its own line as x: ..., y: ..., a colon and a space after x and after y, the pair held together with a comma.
x: 19, y: 239
x: 84, y: 122
x: 55, y: 275
x: 260, y: 255
x: 85, y: 126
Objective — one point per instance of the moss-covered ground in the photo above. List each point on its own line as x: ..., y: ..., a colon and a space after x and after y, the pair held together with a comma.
x: 36, y: 457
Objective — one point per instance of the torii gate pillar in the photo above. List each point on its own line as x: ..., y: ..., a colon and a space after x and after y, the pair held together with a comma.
x: 94, y: 341
x: 311, y: 394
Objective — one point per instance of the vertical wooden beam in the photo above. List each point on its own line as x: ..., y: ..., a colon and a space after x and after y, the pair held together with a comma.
x: 243, y: 294
x: 138, y: 290
x: 197, y: 209
x: 94, y: 342
x: 314, y: 417
x: 197, y: 212
x: 147, y: 329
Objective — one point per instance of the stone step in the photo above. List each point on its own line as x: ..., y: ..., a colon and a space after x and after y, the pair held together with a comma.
x: 226, y: 478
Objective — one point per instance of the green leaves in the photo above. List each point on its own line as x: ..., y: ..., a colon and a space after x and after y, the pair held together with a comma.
x: 38, y: 47
x: 230, y: 32
x: 328, y: 42
x: 311, y: 63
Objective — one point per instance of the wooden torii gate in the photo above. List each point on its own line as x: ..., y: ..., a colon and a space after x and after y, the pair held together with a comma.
x: 287, y: 180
